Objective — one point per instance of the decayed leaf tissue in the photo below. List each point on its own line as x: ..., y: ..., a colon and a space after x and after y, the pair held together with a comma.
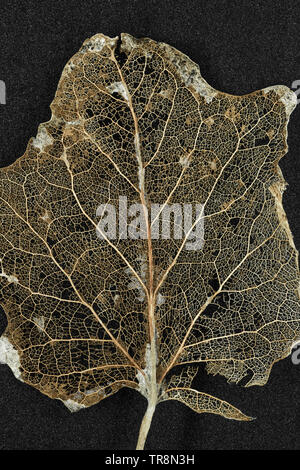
x: 95, y: 302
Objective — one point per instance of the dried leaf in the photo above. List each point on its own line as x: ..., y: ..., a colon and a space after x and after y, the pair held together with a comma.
x: 204, y: 403
x: 91, y: 310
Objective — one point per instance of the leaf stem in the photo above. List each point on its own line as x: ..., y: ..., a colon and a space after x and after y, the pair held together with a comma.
x: 145, y: 425
x: 152, y: 392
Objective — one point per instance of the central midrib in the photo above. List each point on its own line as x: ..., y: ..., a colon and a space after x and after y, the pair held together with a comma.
x: 151, y: 295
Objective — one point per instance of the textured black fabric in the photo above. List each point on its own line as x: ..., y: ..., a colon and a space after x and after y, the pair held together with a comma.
x: 241, y: 46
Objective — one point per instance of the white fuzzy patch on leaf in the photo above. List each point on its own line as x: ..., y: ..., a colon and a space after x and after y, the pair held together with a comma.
x: 10, y: 356
x: 42, y: 139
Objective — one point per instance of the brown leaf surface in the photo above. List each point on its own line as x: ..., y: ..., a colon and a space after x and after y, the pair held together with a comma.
x: 87, y: 316
x: 204, y: 403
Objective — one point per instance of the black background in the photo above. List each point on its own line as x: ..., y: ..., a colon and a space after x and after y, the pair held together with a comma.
x: 241, y: 46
